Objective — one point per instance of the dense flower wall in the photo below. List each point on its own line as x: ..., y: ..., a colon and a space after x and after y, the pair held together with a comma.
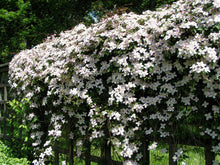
x: 125, y: 76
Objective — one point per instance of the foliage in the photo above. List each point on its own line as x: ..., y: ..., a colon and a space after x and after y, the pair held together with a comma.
x: 106, y: 8
x: 6, y: 158
x: 26, y: 23
x: 21, y: 143
x: 127, y: 78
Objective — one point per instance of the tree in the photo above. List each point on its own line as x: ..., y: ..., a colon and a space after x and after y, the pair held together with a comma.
x: 102, y: 8
x: 26, y: 23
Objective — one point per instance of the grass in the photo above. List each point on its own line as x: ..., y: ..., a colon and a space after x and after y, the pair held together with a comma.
x: 192, y: 156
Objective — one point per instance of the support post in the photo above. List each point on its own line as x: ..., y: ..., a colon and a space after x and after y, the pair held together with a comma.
x: 56, y: 154
x: 108, y: 159
x: 71, y: 160
x: 172, y: 150
x: 146, y: 152
x: 88, y: 152
x: 209, y: 155
x: 102, y: 152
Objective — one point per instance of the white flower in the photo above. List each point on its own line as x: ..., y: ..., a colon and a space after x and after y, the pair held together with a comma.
x: 164, y: 150
x: 139, y: 156
x: 199, y: 67
x: 56, y: 133
x: 115, y: 116
x: 178, y: 154
x: 48, y: 151
x: 149, y: 131
x: 208, y: 116
x: 213, y: 134
x: 217, y: 18
x: 153, y: 146
x: 79, y: 143
x: 211, y: 54
x: 73, y: 91
x: 215, y: 109
x: 118, y: 130
x: 130, y: 162
x: 71, y: 135
x: 216, y: 3
x: 31, y: 116
x: 175, y: 158
x: 47, y: 143
x: 216, y: 148
x: 42, y: 155
x: 205, y: 104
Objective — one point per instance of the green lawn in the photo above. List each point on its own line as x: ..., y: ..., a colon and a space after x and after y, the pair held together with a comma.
x: 192, y: 156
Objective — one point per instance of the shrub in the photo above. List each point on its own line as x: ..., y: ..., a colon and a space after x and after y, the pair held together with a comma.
x: 6, y: 157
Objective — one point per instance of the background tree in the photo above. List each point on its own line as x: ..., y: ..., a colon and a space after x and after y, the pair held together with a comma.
x: 25, y: 24
x: 102, y: 8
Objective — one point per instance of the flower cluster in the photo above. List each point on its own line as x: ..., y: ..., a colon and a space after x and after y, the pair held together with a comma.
x: 178, y: 154
x: 127, y: 75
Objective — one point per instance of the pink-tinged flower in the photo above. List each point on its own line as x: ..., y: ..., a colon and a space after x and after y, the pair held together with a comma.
x: 130, y: 162
x: 213, y: 134
x: 48, y: 151
x: 208, y: 116
x: 216, y: 3
x: 153, y: 146
x: 217, y: 18
x: 199, y: 67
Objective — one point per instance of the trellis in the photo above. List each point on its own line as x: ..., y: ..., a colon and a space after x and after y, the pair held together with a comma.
x: 7, y: 129
x: 3, y: 99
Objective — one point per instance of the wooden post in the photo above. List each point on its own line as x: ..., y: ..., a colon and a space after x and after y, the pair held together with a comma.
x: 88, y: 153
x: 3, y: 97
x: 108, y: 159
x: 172, y: 150
x: 146, y: 152
x: 71, y: 160
x: 102, y: 153
x: 209, y: 155
x: 5, y: 110
x: 56, y: 154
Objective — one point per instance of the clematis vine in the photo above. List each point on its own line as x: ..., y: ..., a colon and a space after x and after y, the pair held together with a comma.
x: 126, y: 78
